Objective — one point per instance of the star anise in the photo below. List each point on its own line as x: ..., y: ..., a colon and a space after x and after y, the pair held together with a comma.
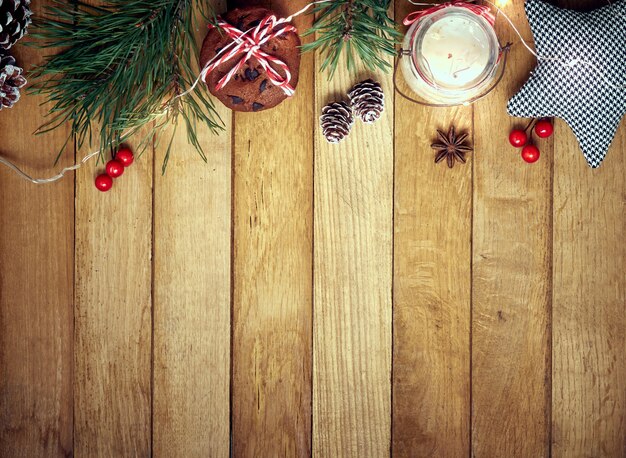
x: 451, y: 147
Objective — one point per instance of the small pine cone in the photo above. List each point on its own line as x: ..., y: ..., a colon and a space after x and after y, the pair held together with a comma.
x: 14, y: 21
x: 11, y: 80
x: 336, y: 121
x: 368, y: 100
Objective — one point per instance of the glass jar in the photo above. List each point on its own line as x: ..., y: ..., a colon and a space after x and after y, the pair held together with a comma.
x: 453, y: 55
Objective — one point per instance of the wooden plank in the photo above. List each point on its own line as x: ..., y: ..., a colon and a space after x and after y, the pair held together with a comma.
x: 113, y: 317
x: 192, y: 254
x: 353, y: 279
x: 589, y: 325
x: 511, y: 275
x: 272, y: 296
x: 431, y: 409
x: 432, y: 285
x: 36, y: 282
x: 192, y: 300
x: 589, y: 328
x: 113, y: 325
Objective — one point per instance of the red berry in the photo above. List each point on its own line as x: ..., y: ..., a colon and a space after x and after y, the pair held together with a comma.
x: 114, y: 168
x: 125, y: 156
x: 530, y: 153
x: 518, y: 138
x: 104, y: 182
x: 544, y: 128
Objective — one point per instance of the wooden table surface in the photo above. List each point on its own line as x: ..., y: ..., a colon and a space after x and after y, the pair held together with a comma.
x: 293, y: 298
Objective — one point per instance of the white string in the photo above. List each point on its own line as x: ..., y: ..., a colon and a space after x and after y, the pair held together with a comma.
x: 571, y: 63
x: 62, y: 173
x: 24, y: 175
x: 200, y: 77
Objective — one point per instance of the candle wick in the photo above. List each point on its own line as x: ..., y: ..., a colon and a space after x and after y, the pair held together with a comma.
x: 456, y: 74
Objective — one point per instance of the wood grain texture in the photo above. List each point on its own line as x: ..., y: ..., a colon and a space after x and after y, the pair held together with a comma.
x: 353, y: 280
x: 36, y: 282
x: 589, y: 324
x: 192, y: 301
x: 112, y: 388
x: 192, y: 254
x: 431, y: 399
x: 511, y: 276
x: 432, y: 285
x: 508, y: 288
x: 272, y: 297
x: 113, y: 311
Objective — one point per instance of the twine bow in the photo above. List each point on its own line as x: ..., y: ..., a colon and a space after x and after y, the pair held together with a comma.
x: 248, y: 44
x: 479, y: 10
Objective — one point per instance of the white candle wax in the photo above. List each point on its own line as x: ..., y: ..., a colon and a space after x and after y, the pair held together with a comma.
x: 456, y: 51
x: 453, y: 56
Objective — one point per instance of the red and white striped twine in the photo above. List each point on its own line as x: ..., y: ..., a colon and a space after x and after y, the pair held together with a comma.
x: 479, y: 10
x: 248, y: 45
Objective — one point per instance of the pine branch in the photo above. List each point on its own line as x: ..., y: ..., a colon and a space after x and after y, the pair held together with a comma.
x: 362, y: 29
x: 120, y: 68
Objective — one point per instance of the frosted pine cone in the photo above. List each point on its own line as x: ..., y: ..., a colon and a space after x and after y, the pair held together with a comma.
x: 11, y: 80
x: 368, y: 100
x: 14, y: 20
x: 336, y: 121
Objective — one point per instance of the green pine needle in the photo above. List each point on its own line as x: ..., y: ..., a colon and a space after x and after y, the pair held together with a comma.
x: 120, y: 66
x: 362, y: 29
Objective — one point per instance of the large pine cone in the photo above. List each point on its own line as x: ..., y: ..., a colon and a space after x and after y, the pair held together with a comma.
x: 336, y: 121
x: 368, y: 100
x: 11, y: 80
x: 14, y: 20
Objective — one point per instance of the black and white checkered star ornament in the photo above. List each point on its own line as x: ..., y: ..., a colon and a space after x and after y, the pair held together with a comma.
x: 566, y: 88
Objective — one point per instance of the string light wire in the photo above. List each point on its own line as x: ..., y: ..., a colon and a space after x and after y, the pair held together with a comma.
x: 56, y: 177
x: 572, y: 63
x: 168, y: 105
x: 203, y: 73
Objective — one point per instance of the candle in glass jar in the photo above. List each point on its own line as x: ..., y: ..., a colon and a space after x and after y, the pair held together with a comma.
x: 453, y: 55
x: 456, y: 51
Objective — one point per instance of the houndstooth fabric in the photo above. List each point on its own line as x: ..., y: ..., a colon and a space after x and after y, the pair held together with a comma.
x: 578, y: 93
